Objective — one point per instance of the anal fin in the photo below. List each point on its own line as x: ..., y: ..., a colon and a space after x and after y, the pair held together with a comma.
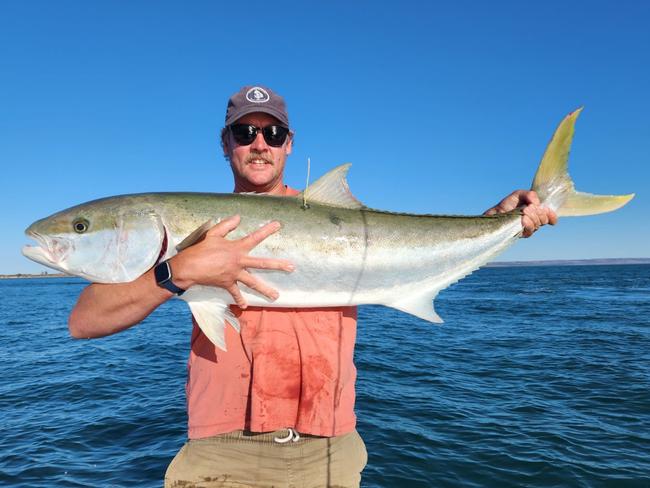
x: 421, y: 306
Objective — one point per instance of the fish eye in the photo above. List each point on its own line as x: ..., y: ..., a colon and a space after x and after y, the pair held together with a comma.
x: 80, y: 226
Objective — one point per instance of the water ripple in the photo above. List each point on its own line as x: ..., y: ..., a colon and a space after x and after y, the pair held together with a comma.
x: 540, y: 378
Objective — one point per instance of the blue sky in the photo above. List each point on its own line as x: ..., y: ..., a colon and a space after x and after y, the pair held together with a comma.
x: 441, y: 107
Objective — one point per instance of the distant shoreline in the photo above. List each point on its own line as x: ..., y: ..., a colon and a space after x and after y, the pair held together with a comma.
x: 569, y: 262
x: 496, y: 264
x: 29, y: 275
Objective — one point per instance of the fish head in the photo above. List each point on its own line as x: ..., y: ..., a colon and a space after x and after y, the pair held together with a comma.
x: 102, y: 241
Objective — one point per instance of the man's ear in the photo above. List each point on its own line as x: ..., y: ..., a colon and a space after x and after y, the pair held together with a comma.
x: 225, y: 143
x: 289, y: 146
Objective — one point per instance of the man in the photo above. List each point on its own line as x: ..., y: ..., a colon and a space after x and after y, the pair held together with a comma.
x: 276, y: 409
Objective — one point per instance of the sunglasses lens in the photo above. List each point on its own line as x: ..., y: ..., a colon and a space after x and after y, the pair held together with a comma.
x: 275, y: 135
x: 244, y: 134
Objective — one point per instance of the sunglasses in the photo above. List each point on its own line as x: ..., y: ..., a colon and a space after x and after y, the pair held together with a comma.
x: 245, y: 134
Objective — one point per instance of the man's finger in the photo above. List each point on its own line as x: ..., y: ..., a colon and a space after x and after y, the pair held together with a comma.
x: 237, y: 296
x: 224, y: 227
x: 267, y: 263
x: 531, y: 212
x: 501, y: 207
x: 257, y: 236
x: 542, y: 215
x: 258, y: 285
x: 531, y: 197
x: 552, y: 216
x: 516, y: 199
x: 507, y: 204
x: 529, y: 226
x: 529, y: 229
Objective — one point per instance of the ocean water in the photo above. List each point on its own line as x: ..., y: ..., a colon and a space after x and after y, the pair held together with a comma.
x: 540, y: 377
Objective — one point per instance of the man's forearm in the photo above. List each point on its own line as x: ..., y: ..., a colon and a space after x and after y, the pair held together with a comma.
x: 104, y: 309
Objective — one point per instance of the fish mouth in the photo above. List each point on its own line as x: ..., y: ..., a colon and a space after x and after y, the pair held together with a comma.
x: 49, y: 252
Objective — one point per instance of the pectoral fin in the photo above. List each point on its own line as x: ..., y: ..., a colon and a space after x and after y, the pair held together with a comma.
x: 197, y: 234
x: 210, y: 308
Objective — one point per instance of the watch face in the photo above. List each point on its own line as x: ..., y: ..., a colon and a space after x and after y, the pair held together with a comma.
x: 162, y: 273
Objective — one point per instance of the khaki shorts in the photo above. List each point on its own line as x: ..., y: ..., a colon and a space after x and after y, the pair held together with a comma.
x: 241, y: 459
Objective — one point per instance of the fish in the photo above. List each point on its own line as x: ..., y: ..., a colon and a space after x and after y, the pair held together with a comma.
x: 344, y: 252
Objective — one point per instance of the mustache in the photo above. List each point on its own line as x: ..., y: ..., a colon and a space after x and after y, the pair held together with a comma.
x: 256, y: 155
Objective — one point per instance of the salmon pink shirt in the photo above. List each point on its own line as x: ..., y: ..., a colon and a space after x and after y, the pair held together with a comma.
x: 288, y: 368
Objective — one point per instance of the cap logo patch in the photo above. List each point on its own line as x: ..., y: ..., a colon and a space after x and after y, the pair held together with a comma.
x: 257, y: 95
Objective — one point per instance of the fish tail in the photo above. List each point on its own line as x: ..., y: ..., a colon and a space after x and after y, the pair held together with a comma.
x: 555, y: 187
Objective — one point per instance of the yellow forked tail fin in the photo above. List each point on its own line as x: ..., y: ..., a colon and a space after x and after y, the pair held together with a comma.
x: 555, y: 187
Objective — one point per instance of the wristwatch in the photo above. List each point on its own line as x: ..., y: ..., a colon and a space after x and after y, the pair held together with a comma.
x: 163, y: 274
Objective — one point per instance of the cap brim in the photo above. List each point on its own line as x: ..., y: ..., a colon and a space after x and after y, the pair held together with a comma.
x: 252, y: 109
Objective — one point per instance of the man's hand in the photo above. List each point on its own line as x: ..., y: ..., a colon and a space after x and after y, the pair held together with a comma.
x: 534, y: 215
x: 217, y: 261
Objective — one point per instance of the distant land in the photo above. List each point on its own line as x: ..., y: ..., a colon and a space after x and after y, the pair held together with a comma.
x: 44, y: 274
x: 496, y: 264
x: 569, y: 262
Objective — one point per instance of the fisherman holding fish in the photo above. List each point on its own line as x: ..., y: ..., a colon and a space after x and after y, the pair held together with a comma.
x: 276, y: 408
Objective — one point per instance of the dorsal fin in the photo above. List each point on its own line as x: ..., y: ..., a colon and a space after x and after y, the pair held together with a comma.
x: 332, y: 189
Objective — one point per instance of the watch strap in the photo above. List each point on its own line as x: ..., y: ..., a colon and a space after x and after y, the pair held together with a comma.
x: 163, y: 274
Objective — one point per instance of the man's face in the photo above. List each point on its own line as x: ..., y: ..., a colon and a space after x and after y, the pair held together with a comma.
x: 258, y: 166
